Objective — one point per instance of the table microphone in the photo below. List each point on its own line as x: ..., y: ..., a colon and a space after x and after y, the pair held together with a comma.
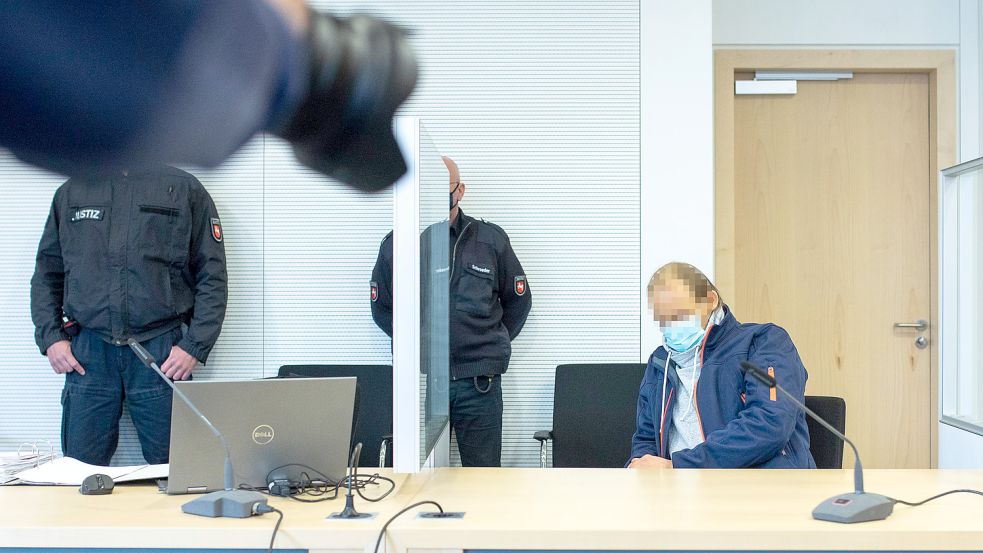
x: 847, y: 508
x: 350, y: 511
x: 228, y: 502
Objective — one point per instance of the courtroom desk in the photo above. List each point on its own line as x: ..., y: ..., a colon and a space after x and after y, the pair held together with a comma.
x: 729, y: 510
x: 140, y: 517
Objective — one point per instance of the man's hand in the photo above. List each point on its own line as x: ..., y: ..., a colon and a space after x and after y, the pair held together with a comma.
x: 61, y: 358
x: 650, y: 462
x: 178, y: 365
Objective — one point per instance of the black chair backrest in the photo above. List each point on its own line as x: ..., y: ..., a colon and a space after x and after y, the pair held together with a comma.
x: 826, y: 448
x: 373, y: 406
x: 594, y: 413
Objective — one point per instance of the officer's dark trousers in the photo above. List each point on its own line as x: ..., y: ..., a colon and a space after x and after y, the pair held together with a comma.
x: 92, y: 404
x: 476, y: 416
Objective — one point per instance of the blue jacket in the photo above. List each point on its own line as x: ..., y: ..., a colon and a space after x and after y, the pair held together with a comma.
x: 744, y: 423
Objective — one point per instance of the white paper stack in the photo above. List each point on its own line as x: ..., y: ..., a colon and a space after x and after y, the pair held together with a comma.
x: 66, y: 471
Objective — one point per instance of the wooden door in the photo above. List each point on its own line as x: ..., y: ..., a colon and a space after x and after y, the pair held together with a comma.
x: 832, y: 242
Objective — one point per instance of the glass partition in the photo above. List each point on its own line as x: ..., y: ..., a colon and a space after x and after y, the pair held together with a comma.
x: 434, y: 299
x: 421, y: 379
x: 961, y: 262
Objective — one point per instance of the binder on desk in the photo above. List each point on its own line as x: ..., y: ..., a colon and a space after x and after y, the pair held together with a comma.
x: 66, y: 471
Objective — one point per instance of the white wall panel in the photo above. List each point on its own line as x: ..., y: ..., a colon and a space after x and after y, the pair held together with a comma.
x: 537, y: 101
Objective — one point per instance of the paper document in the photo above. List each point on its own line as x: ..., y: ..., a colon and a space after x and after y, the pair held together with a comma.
x: 66, y: 471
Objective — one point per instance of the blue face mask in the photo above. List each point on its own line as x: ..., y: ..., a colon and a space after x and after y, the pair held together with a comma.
x: 682, y: 335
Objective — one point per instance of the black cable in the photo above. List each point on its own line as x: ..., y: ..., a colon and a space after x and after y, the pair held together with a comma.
x: 267, y: 508
x: 950, y: 492
x: 312, y: 469
x: 318, y: 490
x: 252, y: 489
x: 293, y: 496
x: 361, y: 485
x: 317, y: 497
x: 275, y: 528
x: 382, y: 532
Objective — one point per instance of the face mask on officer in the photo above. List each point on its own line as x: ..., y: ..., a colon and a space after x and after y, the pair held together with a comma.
x: 455, y: 180
x: 454, y: 202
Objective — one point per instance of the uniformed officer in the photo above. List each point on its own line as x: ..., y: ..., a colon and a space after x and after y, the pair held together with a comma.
x: 489, y: 303
x: 127, y: 254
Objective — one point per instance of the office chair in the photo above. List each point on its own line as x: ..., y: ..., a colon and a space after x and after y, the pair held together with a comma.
x: 593, y: 415
x: 373, y: 424
x: 826, y: 448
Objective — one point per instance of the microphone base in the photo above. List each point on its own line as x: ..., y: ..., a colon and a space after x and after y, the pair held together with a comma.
x: 344, y: 515
x: 349, y: 512
x: 225, y: 503
x: 850, y: 508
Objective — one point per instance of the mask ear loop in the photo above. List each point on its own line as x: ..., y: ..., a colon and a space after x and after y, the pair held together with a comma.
x: 665, y: 381
x: 698, y: 358
x: 697, y: 365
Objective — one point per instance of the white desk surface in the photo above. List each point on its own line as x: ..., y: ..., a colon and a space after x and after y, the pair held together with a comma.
x: 138, y: 516
x: 687, y: 509
x: 530, y: 509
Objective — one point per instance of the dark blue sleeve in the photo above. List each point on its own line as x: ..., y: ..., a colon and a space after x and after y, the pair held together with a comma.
x: 767, y: 421
x: 208, y: 269
x: 116, y: 81
x: 48, y: 283
x: 645, y: 441
x: 515, y: 306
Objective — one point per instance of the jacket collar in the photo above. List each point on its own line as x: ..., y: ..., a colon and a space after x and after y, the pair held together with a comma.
x: 726, y: 326
x: 461, y: 222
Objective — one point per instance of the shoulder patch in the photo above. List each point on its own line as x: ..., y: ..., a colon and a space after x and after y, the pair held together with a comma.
x: 217, y: 229
x: 520, y: 285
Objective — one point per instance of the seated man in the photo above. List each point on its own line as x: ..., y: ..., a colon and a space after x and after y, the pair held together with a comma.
x: 715, y: 415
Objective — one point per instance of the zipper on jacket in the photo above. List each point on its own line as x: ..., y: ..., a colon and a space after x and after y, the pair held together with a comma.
x: 696, y: 385
x: 124, y: 282
x: 454, y: 253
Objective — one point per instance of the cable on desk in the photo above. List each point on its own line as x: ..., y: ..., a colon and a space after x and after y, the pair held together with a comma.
x: 924, y: 501
x: 322, y: 488
x: 362, y: 482
x: 266, y: 508
x: 382, y: 532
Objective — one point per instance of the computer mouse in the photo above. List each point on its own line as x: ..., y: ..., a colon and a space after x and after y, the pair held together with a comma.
x: 97, y: 484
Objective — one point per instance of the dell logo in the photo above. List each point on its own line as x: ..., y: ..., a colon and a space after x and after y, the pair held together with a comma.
x: 263, y: 434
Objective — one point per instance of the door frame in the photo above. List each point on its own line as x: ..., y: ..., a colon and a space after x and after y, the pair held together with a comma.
x: 938, y: 64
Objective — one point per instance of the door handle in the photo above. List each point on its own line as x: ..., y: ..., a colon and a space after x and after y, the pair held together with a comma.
x: 920, y: 325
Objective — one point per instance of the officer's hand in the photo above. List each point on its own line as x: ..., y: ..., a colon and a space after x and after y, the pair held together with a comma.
x: 179, y: 364
x: 61, y: 358
x: 650, y: 462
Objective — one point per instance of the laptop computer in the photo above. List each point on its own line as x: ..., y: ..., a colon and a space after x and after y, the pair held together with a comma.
x: 268, y: 425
